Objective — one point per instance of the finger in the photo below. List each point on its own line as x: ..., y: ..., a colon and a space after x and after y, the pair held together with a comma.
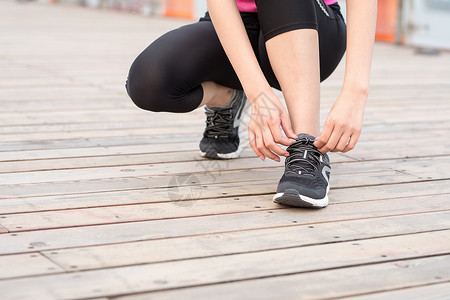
x: 279, y: 138
x: 266, y: 139
x: 272, y: 137
x: 343, y: 141
x: 287, y: 128
x: 324, y: 136
x: 352, y: 142
x: 262, y: 147
x: 332, y: 141
x: 252, y: 142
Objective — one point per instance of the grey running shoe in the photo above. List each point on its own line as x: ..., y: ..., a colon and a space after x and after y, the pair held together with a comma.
x: 305, y: 182
x: 223, y: 126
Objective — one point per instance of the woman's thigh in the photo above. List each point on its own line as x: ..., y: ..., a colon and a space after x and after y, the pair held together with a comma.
x: 167, y: 76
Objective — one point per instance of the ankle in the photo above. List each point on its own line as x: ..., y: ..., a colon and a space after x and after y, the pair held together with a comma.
x: 222, y: 97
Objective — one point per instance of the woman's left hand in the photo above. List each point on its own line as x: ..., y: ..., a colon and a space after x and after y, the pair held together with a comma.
x: 343, y: 125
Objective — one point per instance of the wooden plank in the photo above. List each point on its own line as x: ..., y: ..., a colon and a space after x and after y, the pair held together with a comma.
x: 371, y: 133
x: 13, y: 83
x: 370, y: 151
x: 143, y: 252
x: 336, y: 283
x: 86, y: 127
x: 3, y: 229
x: 107, y: 161
x: 139, y: 212
x: 364, y: 151
x: 213, y: 171
x: 145, y: 230
x: 195, y: 180
x: 247, y: 156
x: 94, y: 151
x: 21, y: 265
x: 172, y: 194
x: 206, y: 178
x: 433, y: 291
x: 81, y: 116
x: 126, y: 160
x: 399, y: 132
x: 9, y: 133
x: 133, y: 114
x: 100, y: 133
x: 235, y: 267
x: 246, y: 188
x: 223, y: 166
x: 151, y: 142
x: 102, y: 102
x: 188, y: 137
x: 51, y: 92
x: 99, y: 151
x: 155, y: 211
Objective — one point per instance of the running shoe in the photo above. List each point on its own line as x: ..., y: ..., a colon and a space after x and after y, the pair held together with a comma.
x: 224, y: 126
x: 305, y: 182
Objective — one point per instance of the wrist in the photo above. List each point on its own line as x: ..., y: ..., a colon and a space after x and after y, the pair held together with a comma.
x: 359, y: 90
x: 256, y: 92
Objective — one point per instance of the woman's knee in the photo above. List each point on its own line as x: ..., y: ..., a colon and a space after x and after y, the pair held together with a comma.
x: 145, y: 90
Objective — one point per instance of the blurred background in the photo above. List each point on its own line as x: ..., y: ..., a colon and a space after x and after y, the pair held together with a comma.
x: 420, y: 23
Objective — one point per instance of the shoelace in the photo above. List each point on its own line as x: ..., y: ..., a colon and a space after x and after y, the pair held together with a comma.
x: 218, y: 123
x: 298, y: 161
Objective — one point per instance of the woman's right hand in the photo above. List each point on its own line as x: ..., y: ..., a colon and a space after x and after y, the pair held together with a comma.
x: 268, y: 116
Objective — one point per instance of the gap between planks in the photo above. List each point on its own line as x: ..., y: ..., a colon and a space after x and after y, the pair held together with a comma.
x: 177, y: 195
x: 339, y: 282
x: 235, y: 267
x: 426, y: 291
x: 155, y: 212
x: 211, y: 245
x: 204, y: 171
x: 30, y: 241
x: 141, y: 252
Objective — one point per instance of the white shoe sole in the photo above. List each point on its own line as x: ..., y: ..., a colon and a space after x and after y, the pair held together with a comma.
x: 293, y: 198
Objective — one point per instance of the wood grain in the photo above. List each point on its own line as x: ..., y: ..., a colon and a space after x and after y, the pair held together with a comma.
x: 230, y: 268
x: 142, y: 252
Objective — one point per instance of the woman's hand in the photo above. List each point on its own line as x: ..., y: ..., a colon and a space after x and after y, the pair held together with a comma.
x: 264, y: 130
x: 343, y: 125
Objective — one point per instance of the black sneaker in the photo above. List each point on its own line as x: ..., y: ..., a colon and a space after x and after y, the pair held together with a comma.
x: 305, y: 182
x: 221, y: 137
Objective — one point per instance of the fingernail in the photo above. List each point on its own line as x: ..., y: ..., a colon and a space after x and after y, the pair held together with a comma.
x: 286, y: 155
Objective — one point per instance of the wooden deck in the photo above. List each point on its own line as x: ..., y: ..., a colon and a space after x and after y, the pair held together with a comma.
x: 99, y: 199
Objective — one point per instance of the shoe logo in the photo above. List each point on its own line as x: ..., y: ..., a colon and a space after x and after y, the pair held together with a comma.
x: 324, y: 170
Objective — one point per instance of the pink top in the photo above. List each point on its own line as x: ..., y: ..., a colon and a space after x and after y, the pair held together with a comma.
x: 250, y: 6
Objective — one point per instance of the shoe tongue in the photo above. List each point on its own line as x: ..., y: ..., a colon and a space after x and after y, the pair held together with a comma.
x: 304, y: 141
x: 305, y: 137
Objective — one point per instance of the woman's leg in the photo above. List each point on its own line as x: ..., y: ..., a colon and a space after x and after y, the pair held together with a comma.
x: 187, y: 68
x: 305, y: 40
x: 300, y: 78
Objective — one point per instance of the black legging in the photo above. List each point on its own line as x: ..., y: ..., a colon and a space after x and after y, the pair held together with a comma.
x: 167, y: 76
